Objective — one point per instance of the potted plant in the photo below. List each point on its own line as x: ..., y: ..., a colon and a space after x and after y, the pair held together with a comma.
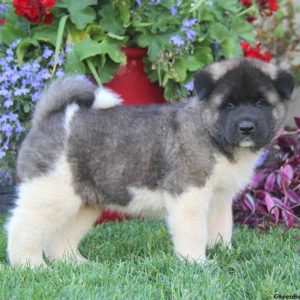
x: 180, y: 37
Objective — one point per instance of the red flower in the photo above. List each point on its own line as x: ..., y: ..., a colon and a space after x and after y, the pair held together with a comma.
x: 273, y: 6
x: 267, y: 7
x: 255, y: 52
x: 35, y: 11
x: 246, y: 3
x: 2, y: 21
x: 48, y: 3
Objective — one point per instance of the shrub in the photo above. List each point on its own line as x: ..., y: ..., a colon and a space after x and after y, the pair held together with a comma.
x: 273, y: 198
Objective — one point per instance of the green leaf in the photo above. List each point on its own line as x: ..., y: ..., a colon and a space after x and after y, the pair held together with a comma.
x: 94, y: 71
x: 194, y: 63
x: 231, y: 48
x: 112, y: 49
x: 240, y: 26
x: 230, y: 5
x: 107, y: 73
x: 165, y: 80
x: 219, y: 32
x: 174, y: 91
x: 279, y: 30
x: 47, y: 34
x: 156, y: 43
x: 59, y: 39
x: 73, y: 64
x: 26, y: 108
x: 124, y: 13
x: 196, y: 5
x: 87, y: 48
x: 201, y: 57
x: 81, y: 14
x: 110, y: 19
x: 13, y: 29
x: 83, y: 17
x: 179, y: 70
x: 248, y: 37
x: 95, y: 32
x: 23, y: 47
x: 115, y: 36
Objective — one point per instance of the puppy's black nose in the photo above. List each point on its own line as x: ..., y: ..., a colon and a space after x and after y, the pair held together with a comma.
x: 246, y: 127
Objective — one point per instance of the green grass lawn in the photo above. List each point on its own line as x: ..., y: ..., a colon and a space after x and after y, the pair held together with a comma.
x: 134, y: 260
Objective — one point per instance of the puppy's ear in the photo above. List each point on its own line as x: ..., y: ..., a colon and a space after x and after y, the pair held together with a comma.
x: 284, y: 84
x: 204, y: 84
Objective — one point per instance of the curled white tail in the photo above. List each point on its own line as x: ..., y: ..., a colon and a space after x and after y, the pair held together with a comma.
x: 105, y: 98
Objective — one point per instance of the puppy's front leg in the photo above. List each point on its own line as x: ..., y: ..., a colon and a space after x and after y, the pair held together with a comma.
x: 220, y: 220
x: 187, y: 220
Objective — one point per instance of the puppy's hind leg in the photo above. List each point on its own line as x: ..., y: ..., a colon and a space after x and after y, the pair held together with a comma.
x: 45, y: 204
x: 64, y: 244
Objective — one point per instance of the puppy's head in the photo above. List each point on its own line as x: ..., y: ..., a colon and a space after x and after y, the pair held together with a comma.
x: 244, y: 101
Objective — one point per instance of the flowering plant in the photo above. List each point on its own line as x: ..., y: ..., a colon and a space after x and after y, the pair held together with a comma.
x: 281, y: 35
x: 180, y: 36
x: 20, y: 87
x: 35, y: 10
x: 273, y: 197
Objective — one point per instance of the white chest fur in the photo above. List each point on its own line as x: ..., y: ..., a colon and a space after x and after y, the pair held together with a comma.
x: 232, y: 177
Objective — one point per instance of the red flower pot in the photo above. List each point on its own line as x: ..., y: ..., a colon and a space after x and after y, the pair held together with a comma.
x: 133, y: 85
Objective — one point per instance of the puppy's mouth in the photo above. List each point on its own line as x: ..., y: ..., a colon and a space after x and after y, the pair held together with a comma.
x: 246, y: 143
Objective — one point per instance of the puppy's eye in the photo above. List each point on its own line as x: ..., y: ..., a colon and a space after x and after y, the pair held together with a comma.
x: 260, y: 103
x: 229, y: 105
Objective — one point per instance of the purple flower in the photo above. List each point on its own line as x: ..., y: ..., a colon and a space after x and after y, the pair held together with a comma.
x: 154, y: 2
x: 47, y: 53
x: 186, y: 28
x: 35, y: 97
x: 189, y: 86
x: 12, y: 117
x: 174, y: 10
x: 69, y: 48
x: 190, y: 34
x: 5, y: 93
x: 44, y: 74
x: 21, y: 91
x: 59, y: 72
x: 3, y: 8
x: 9, y: 52
x: 15, y: 43
x: 177, y: 40
x: 20, y: 83
x: 5, y: 176
x: 8, y: 103
x: 188, y: 23
x: 2, y: 154
x: 7, y: 129
x: 35, y: 66
x: 138, y: 2
x: 19, y: 128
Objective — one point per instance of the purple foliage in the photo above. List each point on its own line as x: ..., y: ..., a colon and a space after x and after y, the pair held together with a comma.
x: 273, y: 197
